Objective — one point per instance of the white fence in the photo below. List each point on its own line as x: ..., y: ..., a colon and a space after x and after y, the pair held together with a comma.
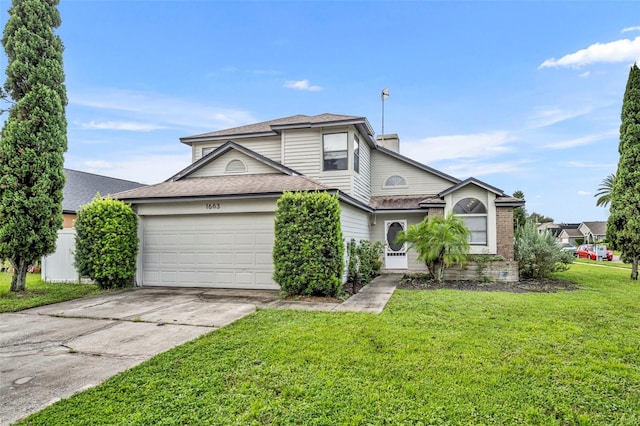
x: 58, y: 267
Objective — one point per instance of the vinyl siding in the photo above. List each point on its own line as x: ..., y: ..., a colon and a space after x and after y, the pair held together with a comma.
x: 218, y: 166
x: 362, y: 180
x: 418, y: 181
x: 303, y: 151
x: 267, y: 146
x: 354, y: 223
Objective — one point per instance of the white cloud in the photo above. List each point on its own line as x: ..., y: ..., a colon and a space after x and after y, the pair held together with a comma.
x: 149, y: 169
x: 584, y: 193
x: 630, y: 29
x: 614, y: 51
x: 121, y: 125
x: 136, y: 106
x: 302, y: 85
x: 585, y: 74
x: 465, y: 169
x: 584, y: 140
x: 548, y: 117
x: 98, y: 164
x: 475, y: 145
x: 588, y: 165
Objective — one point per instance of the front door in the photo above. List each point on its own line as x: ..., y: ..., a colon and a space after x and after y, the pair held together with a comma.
x: 395, y: 255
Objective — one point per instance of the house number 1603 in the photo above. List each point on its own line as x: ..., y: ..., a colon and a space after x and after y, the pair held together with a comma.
x: 212, y: 206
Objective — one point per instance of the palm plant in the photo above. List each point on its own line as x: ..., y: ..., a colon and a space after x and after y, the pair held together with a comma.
x: 604, y: 191
x: 440, y: 242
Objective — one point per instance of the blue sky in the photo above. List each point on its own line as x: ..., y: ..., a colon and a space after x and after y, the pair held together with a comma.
x: 522, y: 95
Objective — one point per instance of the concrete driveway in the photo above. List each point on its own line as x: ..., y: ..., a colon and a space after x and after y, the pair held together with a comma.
x: 51, y: 352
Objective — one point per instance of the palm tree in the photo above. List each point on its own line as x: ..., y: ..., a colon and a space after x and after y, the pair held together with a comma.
x: 604, y: 191
x: 440, y: 242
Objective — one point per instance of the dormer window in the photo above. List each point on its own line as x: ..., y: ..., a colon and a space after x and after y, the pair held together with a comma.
x: 335, y: 151
x: 395, y: 181
x: 474, y: 215
x: 235, y: 166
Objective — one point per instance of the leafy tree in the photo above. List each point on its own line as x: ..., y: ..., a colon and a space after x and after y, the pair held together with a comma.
x: 539, y: 218
x: 519, y: 213
x: 308, y: 252
x: 440, y: 242
x: 107, y: 242
x: 538, y: 255
x: 604, y: 191
x: 33, y: 138
x: 623, y: 229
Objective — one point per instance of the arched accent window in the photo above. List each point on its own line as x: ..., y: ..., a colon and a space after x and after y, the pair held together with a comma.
x: 395, y: 180
x: 236, y: 166
x: 474, y: 214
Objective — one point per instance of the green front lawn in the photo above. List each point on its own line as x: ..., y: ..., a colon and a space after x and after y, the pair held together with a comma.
x: 40, y: 293
x: 432, y: 357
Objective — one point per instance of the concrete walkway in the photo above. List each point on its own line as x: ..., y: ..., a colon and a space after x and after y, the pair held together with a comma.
x: 372, y: 298
x: 51, y: 352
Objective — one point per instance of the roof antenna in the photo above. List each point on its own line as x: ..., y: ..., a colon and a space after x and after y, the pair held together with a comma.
x: 383, y: 96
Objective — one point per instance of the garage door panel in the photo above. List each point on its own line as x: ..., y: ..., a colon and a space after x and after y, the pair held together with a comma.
x: 264, y: 259
x: 223, y: 251
x: 244, y: 259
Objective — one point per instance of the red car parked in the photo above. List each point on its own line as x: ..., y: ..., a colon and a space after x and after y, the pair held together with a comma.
x: 588, y: 251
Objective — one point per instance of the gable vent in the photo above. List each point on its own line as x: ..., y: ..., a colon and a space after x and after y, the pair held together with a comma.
x: 236, y: 166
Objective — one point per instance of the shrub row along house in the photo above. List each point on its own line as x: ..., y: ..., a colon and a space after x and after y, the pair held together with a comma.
x: 211, y: 224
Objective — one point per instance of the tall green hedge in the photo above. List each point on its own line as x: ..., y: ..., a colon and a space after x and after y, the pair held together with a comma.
x: 107, y: 242
x: 308, y: 253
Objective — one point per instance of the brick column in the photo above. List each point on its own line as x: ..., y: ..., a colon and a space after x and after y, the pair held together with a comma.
x: 436, y: 211
x: 504, y: 228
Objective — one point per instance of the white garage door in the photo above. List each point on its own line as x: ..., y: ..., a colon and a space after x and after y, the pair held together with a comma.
x: 218, y: 251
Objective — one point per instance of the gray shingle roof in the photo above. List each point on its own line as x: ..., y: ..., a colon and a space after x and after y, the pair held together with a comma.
x: 268, y: 126
x: 81, y: 187
x: 597, y: 228
x: 243, y: 185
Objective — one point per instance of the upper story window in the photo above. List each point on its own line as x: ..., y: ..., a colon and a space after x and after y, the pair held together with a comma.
x: 205, y: 151
x: 474, y: 215
x: 334, y: 151
x: 235, y: 166
x: 356, y: 154
x: 395, y: 180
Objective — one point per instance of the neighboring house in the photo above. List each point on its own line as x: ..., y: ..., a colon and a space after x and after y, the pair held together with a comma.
x: 593, y: 231
x: 549, y: 227
x: 81, y: 187
x: 211, y: 224
x: 569, y: 233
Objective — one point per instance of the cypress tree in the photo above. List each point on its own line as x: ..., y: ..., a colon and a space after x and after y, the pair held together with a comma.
x: 623, y: 228
x: 34, y: 137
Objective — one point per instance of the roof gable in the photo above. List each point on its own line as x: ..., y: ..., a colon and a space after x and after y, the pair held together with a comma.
x: 472, y: 181
x: 224, y: 149
x: 417, y: 164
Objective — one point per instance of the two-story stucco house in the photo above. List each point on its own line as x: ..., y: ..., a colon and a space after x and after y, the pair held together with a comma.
x: 211, y: 224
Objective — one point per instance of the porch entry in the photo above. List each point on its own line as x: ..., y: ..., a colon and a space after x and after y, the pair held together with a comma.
x: 395, y: 255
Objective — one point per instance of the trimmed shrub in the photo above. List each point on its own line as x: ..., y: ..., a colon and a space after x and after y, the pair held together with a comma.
x: 107, y: 242
x: 538, y: 255
x: 308, y: 252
